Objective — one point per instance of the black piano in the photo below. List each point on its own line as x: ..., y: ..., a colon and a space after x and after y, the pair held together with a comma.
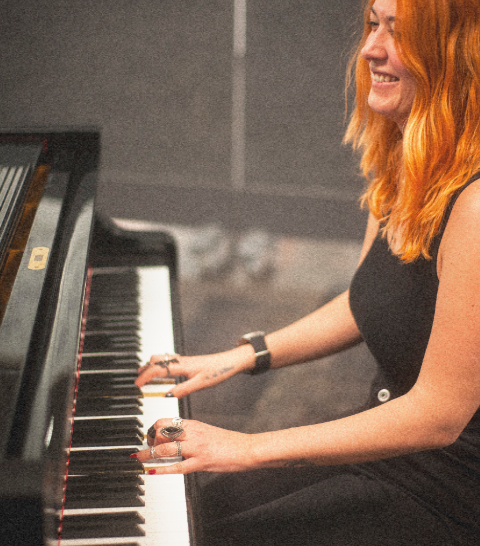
x: 77, y: 295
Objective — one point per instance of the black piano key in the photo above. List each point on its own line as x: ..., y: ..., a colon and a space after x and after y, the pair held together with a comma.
x: 118, y: 499
x: 105, y: 482
x: 130, y: 324
x: 101, y: 408
x: 105, y: 282
x: 92, y: 407
x: 103, y: 461
x: 108, y: 380
x: 115, y: 484
x: 110, y: 391
x: 119, y: 293
x: 114, y: 375
x: 110, y: 344
x: 107, y: 424
x: 111, y: 544
x: 101, y: 453
x: 105, y: 468
x: 124, y: 361
x: 106, y: 439
x: 109, y: 307
x: 115, y: 379
x: 102, y: 525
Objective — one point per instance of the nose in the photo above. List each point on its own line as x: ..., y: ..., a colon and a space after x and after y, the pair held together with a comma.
x: 374, y: 48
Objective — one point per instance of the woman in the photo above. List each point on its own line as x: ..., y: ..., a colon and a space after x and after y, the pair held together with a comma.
x: 406, y: 470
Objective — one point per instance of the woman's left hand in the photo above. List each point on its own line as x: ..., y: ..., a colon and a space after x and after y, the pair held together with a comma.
x: 204, y: 447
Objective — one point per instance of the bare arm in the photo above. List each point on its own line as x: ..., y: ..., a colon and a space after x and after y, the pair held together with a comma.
x: 431, y: 415
x: 326, y: 331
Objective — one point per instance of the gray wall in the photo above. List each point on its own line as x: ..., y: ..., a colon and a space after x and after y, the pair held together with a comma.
x: 156, y: 76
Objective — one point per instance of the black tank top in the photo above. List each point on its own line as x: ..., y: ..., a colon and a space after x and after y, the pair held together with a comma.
x: 393, y: 304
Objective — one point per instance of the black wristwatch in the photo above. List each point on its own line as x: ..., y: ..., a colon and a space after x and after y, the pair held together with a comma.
x: 262, y: 354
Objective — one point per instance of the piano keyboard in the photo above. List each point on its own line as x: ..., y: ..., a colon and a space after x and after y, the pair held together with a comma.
x: 109, y: 501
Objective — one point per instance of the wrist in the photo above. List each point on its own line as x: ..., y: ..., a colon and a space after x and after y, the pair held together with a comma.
x: 244, y: 356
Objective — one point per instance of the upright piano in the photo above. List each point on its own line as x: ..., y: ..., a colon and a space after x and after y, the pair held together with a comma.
x: 83, y: 304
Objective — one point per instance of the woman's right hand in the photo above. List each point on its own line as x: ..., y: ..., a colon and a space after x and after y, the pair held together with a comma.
x: 201, y: 371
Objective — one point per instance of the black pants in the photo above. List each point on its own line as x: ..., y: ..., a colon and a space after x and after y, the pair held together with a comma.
x: 331, y: 506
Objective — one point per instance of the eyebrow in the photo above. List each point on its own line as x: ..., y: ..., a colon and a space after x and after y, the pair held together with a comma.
x: 391, y: 18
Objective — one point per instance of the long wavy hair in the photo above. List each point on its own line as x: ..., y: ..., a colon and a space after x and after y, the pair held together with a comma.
x: 411, y: 177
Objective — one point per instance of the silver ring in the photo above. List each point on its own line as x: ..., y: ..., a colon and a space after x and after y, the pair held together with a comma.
x: 179, y: 449
x: 177, y: 422
x: 167, y: 359
x: 171, y: 432
x: 153, y: 454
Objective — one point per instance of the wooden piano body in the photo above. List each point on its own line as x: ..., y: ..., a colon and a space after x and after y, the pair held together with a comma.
x: 50, y: 239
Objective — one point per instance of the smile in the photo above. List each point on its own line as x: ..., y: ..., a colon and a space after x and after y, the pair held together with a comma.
x: 383, y: 78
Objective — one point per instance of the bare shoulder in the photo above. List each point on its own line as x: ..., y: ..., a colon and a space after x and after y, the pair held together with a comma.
x: 461, y: 238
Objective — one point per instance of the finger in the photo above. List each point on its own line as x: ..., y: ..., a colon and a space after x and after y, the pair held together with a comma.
x: 148, y: 374
x: 155, y: 435
x: 159, y: 451
x: 185, y: 467
x: 151, y: 372
x: 197, y: 383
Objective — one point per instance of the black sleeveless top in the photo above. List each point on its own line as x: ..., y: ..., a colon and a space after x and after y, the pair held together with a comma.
x: 393, y: 304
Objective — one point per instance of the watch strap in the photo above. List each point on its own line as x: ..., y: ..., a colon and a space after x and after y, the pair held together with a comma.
x: 262, y: 354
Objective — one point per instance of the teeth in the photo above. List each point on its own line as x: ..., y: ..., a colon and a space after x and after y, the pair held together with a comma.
x: 380, y: 78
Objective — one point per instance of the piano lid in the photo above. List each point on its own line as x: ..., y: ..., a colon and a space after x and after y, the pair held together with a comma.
x: 48, y: 259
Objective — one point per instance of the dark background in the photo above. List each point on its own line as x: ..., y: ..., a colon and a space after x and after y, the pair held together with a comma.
x: 156, y: 77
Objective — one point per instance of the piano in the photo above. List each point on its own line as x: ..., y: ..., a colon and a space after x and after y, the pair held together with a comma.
x: 83, y: 304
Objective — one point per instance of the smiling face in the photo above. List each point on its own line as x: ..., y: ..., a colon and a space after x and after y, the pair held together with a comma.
x: 393, y: 87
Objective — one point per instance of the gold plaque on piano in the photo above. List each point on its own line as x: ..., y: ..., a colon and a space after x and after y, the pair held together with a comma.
x: 38, y: 258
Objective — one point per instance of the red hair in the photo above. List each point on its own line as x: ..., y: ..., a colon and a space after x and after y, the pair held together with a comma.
x: 412, y: 177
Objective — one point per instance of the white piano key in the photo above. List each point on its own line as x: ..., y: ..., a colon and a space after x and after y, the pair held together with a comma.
x: 155, y: 311
x: 165, y: 511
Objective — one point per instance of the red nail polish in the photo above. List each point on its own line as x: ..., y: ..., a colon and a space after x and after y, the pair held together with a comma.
x: 152, y: 471
x: 133, y: 456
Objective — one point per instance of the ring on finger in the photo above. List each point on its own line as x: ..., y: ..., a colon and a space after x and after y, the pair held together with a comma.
x: 172, y: 432
x: 179, y: 449
x: 177, y: 422
x: 153, y: 453
x: 167, y: 359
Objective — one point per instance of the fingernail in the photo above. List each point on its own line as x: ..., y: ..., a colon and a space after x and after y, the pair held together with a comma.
x: 133, y: 456
x: 152, y: 471
x: 169, y: 395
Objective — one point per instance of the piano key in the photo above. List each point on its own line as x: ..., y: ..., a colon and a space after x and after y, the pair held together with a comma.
x: 110, y: 361
x: 102, y: 499
x: 110, y: 406
x: 164, y: 524
x: 120, y: 524
x: 165, y: 509
x: 102, y: 543
x: 119, y: 439
x: 96, y: 343
x: 107, y: 324
x: 112, y: 390
x: 107, y: 424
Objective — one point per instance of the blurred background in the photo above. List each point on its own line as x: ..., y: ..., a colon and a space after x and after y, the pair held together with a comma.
x: 222, y: 122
